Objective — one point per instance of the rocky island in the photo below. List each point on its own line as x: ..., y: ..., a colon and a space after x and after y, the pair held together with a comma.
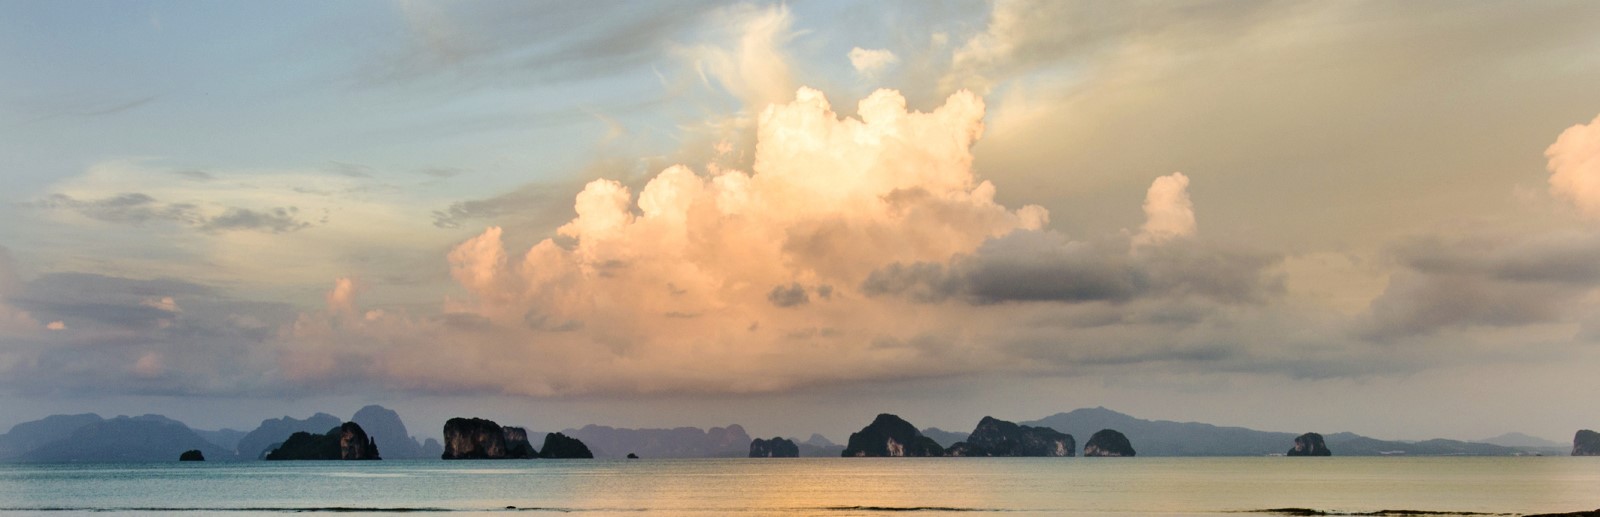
x: 1309, y: 444
x: 475, y: 439
x: 346, y: 442
x: 995, y: 437
x: 1108, y: 443
x: 192, y: 455
x: 1586, y: 443
x: 274, y: 431
x: 517, y: 444
x: 890, y: 436
x: 558, y: 446
x: 481, y: 439
x: 777, y: 447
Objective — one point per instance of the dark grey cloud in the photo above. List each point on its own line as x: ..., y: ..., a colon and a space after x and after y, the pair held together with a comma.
x: 194, y: 174
x: 442, y: 172
x: 792, y: 295
x: 276, y: 220
x: 1559, y: 257
x: 130, y: 207
x: 138, y: 208
x: 1491, y: 281
x: 104, y: 300
x: 1046, y: 267
x: 548, y: 203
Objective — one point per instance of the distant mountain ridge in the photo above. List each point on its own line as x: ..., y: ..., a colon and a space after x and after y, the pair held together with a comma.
x: 224, y: 438
x: 385, y: 426
x: 945, y: 438
x: 1167, y: 438
x: 141, y: 438
x: 1515, y: 439
x: 27, y: 436
x: 89, y: 437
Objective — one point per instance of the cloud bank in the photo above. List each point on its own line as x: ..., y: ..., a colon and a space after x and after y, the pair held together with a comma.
x: 857, y: 248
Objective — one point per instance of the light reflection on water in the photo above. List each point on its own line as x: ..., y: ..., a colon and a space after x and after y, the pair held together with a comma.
x: 838, y: 487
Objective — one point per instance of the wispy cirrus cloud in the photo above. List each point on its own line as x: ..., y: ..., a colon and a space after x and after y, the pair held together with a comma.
x: 138, y: 208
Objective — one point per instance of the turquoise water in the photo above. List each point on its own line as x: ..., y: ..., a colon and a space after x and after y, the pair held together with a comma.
x: 956, y: 486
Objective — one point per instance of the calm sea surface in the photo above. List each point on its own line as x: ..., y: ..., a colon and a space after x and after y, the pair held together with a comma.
x: 840, y: 487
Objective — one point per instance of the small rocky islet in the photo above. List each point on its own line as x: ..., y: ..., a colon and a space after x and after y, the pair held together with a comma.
x: 777, y: 447
x: 1108, y: 443
x: 1309, y: 444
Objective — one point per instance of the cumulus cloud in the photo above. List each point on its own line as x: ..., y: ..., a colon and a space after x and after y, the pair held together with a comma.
x: 870, y: 62
x: 828, y: 202
x: 343, y: 296
x: 1167, y: 211
x: 1575, y: 167
x: 857, y: 248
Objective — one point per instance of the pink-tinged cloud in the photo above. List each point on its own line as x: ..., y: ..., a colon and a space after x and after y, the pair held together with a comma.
x: 1167, y: 210
x: 707, y: 281
x: 341, y: 298
x: 1575, y: 167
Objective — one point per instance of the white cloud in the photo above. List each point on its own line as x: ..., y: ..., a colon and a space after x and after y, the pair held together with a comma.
x: 755, y: 69
x: 1167, y: 210
x: 165, y: 303
x: 1575, y: 167
x: 870, y: 62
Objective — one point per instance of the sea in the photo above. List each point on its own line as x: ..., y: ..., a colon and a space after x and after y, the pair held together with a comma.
x: 813, y: 486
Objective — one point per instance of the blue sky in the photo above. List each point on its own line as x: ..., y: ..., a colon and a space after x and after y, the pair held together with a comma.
x: 1186, y: 210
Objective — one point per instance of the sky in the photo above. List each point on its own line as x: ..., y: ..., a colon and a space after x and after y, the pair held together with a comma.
x: 1379, y: 217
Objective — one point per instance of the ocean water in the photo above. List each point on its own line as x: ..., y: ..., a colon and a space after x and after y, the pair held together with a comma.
x: 836, y: 487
